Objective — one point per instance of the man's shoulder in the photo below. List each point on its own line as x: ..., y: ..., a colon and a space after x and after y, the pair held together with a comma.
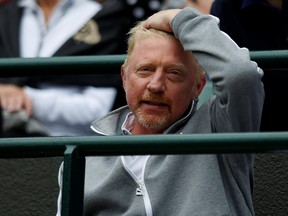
x: 111, y: 123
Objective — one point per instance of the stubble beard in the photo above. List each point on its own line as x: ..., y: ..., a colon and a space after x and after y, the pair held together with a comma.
x: 159, y: 122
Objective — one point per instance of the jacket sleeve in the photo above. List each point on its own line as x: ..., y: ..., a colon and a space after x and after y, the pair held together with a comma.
x: 237, y: 80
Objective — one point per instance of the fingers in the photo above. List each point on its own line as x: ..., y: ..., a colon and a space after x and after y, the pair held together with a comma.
x: 11, y: 103
x: 161, y: 20
x: 13, y: 99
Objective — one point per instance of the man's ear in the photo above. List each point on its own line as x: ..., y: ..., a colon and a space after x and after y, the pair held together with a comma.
x: 123, y: 76
x: 200, y: 85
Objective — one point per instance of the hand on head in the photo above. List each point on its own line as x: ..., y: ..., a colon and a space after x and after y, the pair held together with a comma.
x: 161, y: 20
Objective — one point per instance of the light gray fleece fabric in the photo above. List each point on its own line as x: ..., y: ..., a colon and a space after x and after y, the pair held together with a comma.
x: 184, y: 185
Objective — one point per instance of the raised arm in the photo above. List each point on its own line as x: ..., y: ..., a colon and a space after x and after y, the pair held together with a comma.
x: 237, y: 80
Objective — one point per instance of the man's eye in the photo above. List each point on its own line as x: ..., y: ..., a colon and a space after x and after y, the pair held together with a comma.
x: 175, y: 75
x: 144, y: 71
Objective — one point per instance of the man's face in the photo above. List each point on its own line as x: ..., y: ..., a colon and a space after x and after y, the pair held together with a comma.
x: 158, y: 80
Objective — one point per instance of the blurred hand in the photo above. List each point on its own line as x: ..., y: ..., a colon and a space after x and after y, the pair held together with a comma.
x: 14, y: 98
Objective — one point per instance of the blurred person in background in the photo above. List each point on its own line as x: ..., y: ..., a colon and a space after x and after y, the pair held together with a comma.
x: 52, y: 106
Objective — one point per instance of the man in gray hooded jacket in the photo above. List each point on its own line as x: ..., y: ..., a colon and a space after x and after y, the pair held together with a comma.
x: 169, y: 56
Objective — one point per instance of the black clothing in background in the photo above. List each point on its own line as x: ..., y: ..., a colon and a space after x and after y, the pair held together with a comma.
x: 257, y: 26
x: 260, y: 27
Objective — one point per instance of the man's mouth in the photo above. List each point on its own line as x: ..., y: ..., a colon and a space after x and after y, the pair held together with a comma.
x: 154, y: 103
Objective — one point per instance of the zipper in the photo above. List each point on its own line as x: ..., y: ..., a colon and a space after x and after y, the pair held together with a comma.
x: 141, y: 190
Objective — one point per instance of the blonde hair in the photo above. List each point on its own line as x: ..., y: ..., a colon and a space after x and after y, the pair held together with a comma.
x: 139, y: 31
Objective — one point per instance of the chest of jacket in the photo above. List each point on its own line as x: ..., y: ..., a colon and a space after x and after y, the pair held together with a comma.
x: 174, y: 183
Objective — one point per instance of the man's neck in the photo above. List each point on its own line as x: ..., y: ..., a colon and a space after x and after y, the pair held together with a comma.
x: 47, y: 7
x: 140, y: 130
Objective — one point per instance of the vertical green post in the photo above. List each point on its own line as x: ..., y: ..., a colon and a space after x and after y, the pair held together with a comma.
x: 73, y: 182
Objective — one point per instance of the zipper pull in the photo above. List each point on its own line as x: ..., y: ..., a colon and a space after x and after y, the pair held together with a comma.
x: 139, y: 192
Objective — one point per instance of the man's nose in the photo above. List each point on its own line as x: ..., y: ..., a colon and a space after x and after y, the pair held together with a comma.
x: 157, y: 82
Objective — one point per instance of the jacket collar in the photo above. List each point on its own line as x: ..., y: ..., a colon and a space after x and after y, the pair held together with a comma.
x: 112, y: 124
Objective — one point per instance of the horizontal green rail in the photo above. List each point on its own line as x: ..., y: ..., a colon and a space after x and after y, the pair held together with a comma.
x: 74, y: 150
x: 66, y: 66
x: 145, y: 144
x: 104, y: 64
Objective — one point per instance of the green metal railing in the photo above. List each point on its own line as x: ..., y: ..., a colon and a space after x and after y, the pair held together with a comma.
x: 110, y: 64
x: 74, y: 149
